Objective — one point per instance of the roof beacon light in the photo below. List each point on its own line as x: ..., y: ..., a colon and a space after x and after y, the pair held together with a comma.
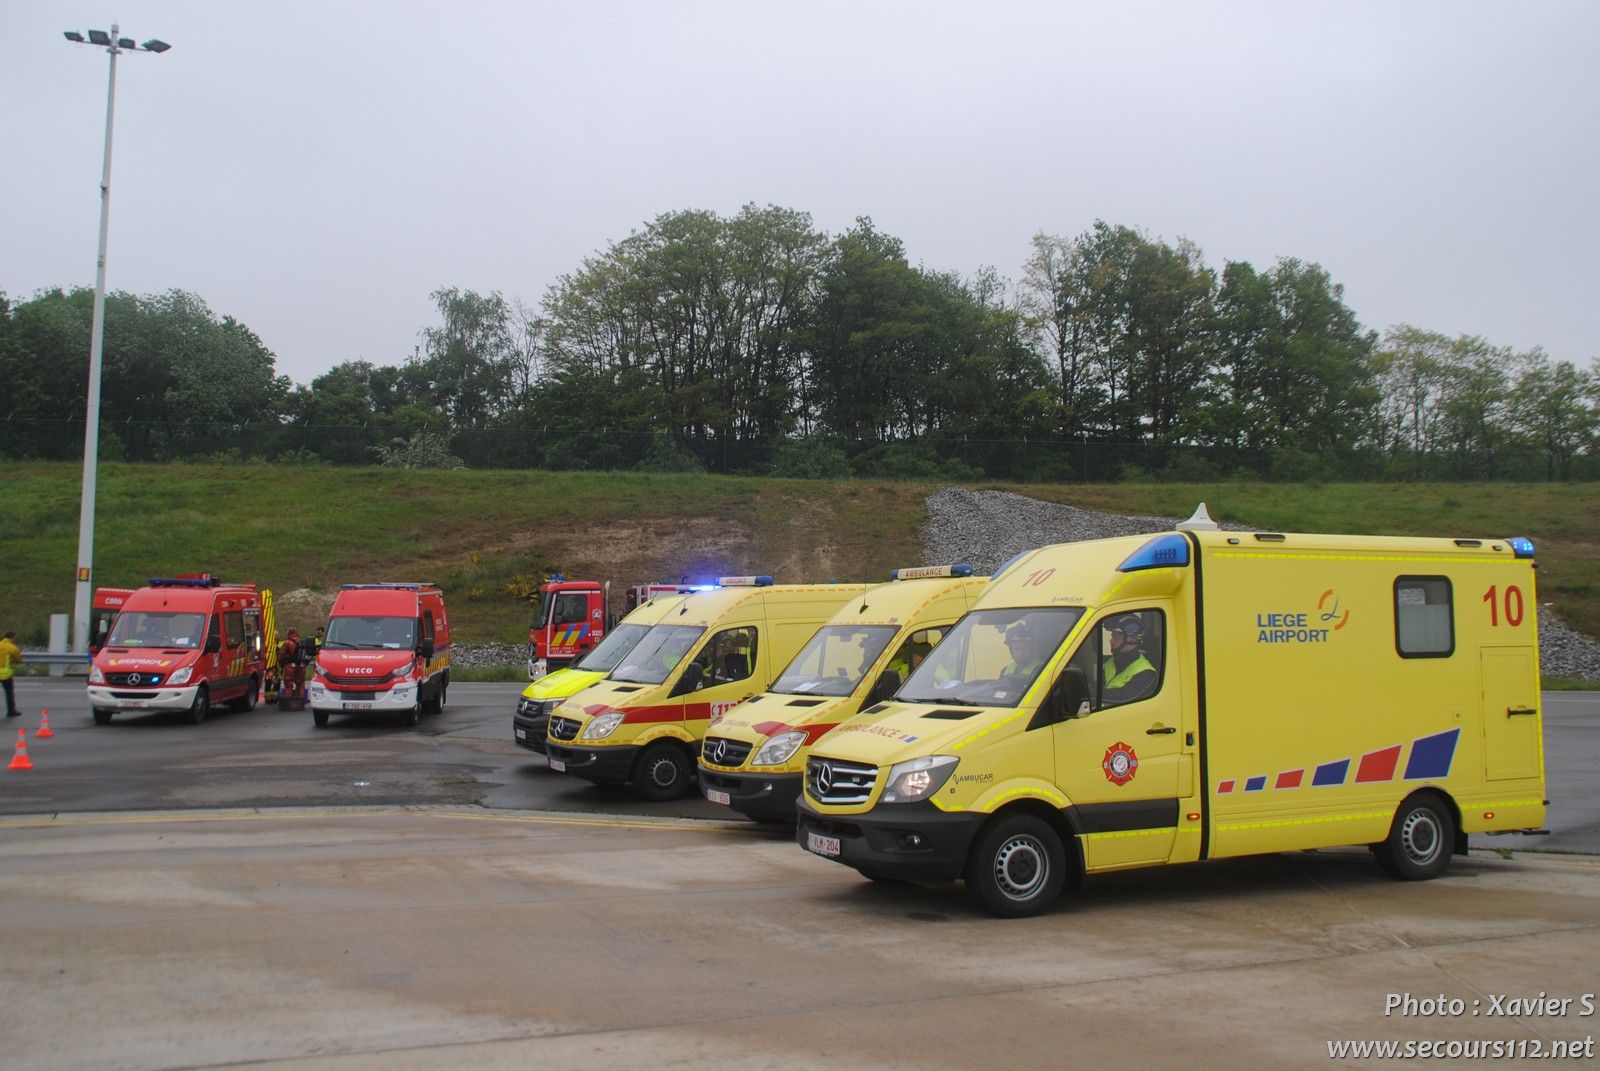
x: 745, y: 581
x: 919, y: 572
x: 1170, y: 551
x: 1521, y: 546
x: 185, y: 580
x: 1200, y: 522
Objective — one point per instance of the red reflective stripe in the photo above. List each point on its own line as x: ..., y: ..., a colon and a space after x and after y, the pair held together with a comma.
x: 1225, y: 787
x: 1290, y: 779
x: 1378, y: 765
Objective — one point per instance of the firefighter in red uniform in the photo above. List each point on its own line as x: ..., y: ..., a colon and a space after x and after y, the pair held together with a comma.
x: 294, y: 677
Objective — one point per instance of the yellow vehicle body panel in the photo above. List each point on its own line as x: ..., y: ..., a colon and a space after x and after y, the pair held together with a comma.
x: 1307, y: 685
x: 570, y: 681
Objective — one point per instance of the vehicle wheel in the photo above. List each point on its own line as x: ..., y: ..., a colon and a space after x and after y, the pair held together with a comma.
x: 102, y: 717
x: 444, y: 689
x: 1420, y: 841
x: 320, y: 718
x: 200, y: 707
x: 662, y: 772
x: 1018, y: 867
x: 247, y: 701
x: 414, y: 715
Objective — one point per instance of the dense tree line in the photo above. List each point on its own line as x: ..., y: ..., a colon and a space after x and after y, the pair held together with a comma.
x: 757, y: 343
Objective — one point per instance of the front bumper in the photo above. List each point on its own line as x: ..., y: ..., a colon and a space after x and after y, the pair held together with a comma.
x: 105, y: 697
x: 529, y: 730
x: 916, y: 841
x: 765, y: 797
x: 329, y: 700
x: 602, y: 765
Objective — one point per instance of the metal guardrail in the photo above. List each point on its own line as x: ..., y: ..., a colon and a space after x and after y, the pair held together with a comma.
x: 61, y: 663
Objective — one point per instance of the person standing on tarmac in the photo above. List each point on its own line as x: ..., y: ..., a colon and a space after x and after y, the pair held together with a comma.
x: 10, y: 658
x: 289, y: 659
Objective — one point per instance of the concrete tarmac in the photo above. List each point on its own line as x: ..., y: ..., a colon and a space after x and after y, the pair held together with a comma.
x: 459, y: 937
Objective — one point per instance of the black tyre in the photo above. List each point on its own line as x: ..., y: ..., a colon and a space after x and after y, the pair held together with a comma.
x: 1420, y: 841
x: 663, y: 772
x: 200, y: 707
x: 102, y: 717
x: 1017, y: 867
x: 414, y: 715
x: 320, y: 718
x: 247, y: 701
x: 444, y: 689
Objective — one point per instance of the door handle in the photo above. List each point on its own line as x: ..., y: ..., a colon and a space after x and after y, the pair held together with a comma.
x: 1517, y: 712
x: 1161, y: 730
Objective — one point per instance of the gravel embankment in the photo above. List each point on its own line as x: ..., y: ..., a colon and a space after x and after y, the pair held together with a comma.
x: 986, y: 528
x: 488, y: 654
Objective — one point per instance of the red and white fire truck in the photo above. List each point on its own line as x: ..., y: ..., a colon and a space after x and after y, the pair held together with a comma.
x: 181, y: 644
x: 571, y: 616
x: 387, y: 652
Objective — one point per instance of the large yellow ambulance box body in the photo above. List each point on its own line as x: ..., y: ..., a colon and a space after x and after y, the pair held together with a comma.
x: 1198, y: 695
x: 643, y: 724
x: 753, y: 758
x: 532, y: 720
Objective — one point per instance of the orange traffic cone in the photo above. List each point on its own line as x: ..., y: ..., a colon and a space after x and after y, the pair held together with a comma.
x: 20, y: 760
x: 44, y: 724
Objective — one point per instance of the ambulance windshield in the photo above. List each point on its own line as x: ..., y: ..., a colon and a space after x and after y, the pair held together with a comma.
x: 991, y: 658
x: 835, y: 660
x: 135, y: 629
x: 657, y: 655
x: 382, y: 633
x: 613, y: 649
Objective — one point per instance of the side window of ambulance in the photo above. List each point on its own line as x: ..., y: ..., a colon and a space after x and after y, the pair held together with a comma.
x: 233, y: 626
x: 1124, y: 658
x: 730, y: 656
x: 1424, y: 624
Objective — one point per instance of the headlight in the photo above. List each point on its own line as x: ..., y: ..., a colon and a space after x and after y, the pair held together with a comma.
x: 918, y: 779
x: 95, y: 676
x: 780, y: 749
x: 603, y: 726
x: 181, y: 676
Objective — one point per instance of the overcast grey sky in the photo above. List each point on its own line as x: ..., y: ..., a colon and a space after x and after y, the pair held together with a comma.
x: 316, y: 169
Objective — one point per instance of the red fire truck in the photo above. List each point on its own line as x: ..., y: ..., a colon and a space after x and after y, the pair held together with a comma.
x: 571, y: 616
x: 107, y: 603
x: 181, y: 644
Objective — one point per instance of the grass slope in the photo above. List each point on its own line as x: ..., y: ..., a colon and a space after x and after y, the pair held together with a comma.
x: 480, y: 534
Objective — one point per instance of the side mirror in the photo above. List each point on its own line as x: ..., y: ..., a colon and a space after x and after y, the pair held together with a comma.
x: 213, y: 643
x: 425, y: 648
x: 887, y: 685
x: 1069, y: 697
x: 693, y: 674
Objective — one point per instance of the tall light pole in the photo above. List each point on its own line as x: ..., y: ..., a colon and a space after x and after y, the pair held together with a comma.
x: 113, y: 44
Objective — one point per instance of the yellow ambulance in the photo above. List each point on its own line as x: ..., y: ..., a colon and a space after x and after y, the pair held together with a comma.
x: 753, y: 759
x: 643, y: 724
x: 530, y: 722
x: 1198, y: 695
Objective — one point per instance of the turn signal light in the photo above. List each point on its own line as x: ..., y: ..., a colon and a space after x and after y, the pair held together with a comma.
x: 1194, y: 816
x: 1488, y: 814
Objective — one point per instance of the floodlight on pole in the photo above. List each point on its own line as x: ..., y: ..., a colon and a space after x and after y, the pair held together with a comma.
x: 113, y: 44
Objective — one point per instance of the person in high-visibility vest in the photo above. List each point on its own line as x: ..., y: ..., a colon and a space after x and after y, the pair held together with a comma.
x: 1128, y: 674
x: 10, y: 658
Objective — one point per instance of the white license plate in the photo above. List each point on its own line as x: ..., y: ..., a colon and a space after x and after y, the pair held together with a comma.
x: 716, y: 795
x: 135, y: 704
x: 822, y: 845
x: 522, y: 734
x: 558, y: 766
x: 358, y: 706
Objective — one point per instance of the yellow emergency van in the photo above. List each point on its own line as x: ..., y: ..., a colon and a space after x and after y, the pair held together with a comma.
x: 753, y: 758
x: 530, y: 722
x: 1197, y: 695
x: 643, y: 724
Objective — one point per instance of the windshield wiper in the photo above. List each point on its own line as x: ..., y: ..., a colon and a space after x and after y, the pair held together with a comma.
x: 942, y: 701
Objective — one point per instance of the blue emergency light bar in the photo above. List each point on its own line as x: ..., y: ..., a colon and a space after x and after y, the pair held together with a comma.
x: 207, y: 581
x: 558, y: 578
x: 1521, y: 546
x: 918, y: 572
x: 744, y: 581
x: 407, y: 586
x: 1170, y: 551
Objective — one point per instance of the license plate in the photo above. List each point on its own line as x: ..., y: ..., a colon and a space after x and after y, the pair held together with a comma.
x: 522, y: 734
x: 716, y: 795
x: 358, y: 706
x: 135, y: 703
x: 558, y: 766
x: 822, y: 845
